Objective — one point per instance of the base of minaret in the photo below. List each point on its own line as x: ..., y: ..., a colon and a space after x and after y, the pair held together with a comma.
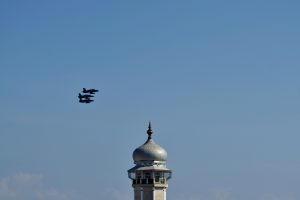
x: 148, y: 193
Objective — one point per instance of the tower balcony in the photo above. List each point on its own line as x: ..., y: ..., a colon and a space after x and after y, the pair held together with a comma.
x: 149, y: 181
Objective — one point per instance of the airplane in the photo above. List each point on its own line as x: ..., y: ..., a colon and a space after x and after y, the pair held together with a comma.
x: 85, y: 100
x: 84, y: 96
x: 91, y: 91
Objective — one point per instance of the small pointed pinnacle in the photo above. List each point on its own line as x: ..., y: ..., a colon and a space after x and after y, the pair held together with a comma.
x: 149, y: 131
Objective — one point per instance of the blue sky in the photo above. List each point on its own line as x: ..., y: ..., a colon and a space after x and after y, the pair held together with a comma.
x: 218, y: 80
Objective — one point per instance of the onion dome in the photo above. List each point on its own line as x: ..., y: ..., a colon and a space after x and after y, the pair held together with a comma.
x: 149, y: 151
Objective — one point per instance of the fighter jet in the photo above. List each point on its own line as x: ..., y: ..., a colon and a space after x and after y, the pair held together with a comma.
x: 84, y: 96
x: 91, y: 91
x: 85, y: 100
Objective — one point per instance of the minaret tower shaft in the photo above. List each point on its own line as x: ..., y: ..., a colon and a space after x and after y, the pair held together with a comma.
x: 150, y: 175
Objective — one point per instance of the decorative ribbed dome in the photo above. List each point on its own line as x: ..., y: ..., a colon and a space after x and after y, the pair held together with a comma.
x: 149, y: 151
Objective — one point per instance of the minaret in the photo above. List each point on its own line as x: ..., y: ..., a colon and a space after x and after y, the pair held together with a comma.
x: 150, y: 175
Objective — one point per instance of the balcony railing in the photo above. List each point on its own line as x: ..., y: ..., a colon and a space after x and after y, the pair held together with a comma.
x: 149, y: 181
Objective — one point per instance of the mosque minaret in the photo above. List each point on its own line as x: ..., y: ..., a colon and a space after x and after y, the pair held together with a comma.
x: 150, y: 175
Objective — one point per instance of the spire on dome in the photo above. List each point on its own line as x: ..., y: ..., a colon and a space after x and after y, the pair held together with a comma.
x: 149, y: 131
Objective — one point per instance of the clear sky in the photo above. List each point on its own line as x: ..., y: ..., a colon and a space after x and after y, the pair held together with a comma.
x: 219, y: 80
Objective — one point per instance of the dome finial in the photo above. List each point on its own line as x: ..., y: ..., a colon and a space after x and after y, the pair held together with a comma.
x: 149, y: 131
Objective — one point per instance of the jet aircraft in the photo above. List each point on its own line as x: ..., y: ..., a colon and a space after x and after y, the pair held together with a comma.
x: 85, y: 100
x: 91, y: 91
x: 84, y: 96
